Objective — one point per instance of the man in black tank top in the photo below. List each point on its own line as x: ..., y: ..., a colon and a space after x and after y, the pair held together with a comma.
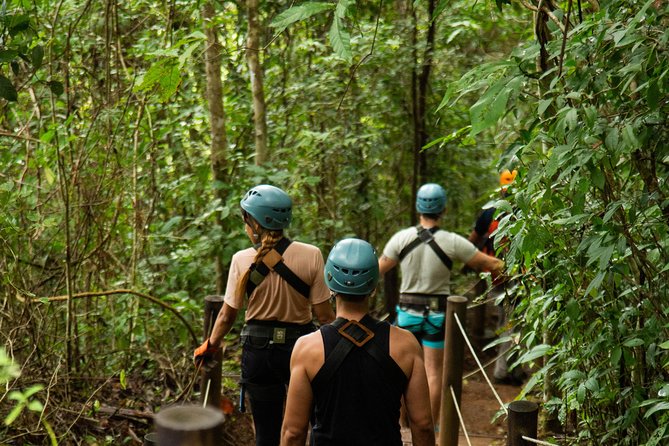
x: 348, y: 378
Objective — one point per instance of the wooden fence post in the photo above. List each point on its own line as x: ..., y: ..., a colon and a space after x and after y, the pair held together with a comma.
x: 210, y: 381
x: 449, y: 423
x: 189, y: 426
x: 522, y: 421
x: 477, y: 314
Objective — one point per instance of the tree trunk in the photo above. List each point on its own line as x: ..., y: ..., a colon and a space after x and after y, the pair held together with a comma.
x: 219, y: 143
x: 255, y: 71
x: 420, y: 80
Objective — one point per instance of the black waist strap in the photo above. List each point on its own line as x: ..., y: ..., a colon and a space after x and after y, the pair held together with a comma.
x: 276, y: 330
x: 420, y: 301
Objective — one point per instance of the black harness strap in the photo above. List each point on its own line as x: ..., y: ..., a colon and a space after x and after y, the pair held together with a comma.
x: 274, y: 260
x: 427, y: 236
x: 357, y: 334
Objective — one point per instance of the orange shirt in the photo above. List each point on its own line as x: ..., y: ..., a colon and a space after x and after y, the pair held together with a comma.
x: 274, y: 298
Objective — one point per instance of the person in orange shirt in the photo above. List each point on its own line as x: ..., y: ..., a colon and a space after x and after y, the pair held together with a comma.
x: 281, y: 282
x: 483, y: 236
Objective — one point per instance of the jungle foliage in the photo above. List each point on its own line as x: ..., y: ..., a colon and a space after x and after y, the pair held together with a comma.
x: 111, y: 218
x: 587, y: 225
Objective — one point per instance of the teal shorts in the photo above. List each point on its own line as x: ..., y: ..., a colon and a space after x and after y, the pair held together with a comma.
x: 427, y: 325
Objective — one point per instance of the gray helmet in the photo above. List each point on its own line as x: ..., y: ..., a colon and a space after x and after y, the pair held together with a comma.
x: 352, y: 268
x: 430, y: 199
x: 270, y: 206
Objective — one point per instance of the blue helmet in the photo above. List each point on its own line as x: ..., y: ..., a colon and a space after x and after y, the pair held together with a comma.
x: 430, y: 199
x: 269, y: 206
x: 352, y: 268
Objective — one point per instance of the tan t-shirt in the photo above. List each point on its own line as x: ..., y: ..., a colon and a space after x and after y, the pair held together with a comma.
x: 274, y: 298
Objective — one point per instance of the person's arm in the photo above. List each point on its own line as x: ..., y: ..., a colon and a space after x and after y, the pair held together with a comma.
x: 417, y: 400
x: 475, y: 237
x: 224, y: 321
x: 484, y: 262
x: 300, y: 396
x: 323, y: 312
x: 386, y: 264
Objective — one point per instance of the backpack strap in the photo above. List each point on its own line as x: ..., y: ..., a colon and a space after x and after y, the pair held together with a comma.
x: 358, y: 335
x: 427, y: 236
x: 273, y: 260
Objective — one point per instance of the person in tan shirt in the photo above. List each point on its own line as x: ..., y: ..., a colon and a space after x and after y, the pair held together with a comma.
x: 282, y: 284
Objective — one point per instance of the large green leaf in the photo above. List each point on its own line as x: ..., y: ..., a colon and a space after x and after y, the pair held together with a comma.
x: 7, y: 89
x: 299, y: 12
x: 340, y: 40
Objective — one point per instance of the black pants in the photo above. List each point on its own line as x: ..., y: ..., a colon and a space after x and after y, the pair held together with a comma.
x: 265, y: 374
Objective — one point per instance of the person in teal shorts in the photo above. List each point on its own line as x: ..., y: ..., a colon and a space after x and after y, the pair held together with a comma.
x: 425, y: 254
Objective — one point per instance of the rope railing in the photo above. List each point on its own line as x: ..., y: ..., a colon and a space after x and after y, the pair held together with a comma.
x: 462, y: 421
x: 478, y: 362
x: 535, y: 441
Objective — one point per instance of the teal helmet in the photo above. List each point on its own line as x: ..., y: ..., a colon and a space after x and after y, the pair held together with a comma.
x: 430, y: 199
x: 352, y: 268
x: 270, y: 206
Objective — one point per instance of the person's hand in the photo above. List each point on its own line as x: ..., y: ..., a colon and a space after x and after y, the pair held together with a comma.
x: 203, y: 356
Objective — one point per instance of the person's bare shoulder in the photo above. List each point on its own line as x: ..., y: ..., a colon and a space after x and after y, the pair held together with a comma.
x: 309, y: 353
x: 403, y: 348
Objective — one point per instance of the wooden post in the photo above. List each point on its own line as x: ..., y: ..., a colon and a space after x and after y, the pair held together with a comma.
x: 522, y: 421
x: 210, y: 381
x: 449, y: 423
x: 391, y: 293
x: 478, y: 332
x: 189, y: 426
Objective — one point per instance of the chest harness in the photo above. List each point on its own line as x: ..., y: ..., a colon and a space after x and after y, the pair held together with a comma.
x: 425, y: 301
x: 275, y: 332
x: 356, y: 334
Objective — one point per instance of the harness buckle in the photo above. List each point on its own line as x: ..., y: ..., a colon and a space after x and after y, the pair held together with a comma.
x: 348, y: 330
x: 279, y: 335
x: 272, y: 258
x: 425, y: 235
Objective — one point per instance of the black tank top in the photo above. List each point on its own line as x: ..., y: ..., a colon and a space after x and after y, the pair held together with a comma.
x: 360, y: 404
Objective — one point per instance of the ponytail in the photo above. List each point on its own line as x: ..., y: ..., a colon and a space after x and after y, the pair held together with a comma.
x: 268, y: 239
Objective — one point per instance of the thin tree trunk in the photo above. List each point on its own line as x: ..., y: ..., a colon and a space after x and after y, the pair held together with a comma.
x: 255, y: 71
x: 219, y: 142
x: 420, y: 81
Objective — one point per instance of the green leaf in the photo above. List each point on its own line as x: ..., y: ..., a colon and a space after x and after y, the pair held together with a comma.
x: 657, y: 437
x: 634, y: 342
x: 14, y: 414
x: 7, y: 90
x: 537, y: 352
x: 543, y: 105
x: 8, y: 55
x: 37, y: 56
x: 56, y: 87
x: 340, y: 40
x: 653, y: 95
x: 664, y: 345
x: 162, y: 76
x: 342, y: 7
x: 664, y: 405
x: 299, y: 12
x: 35, y: 406
x: 122, y: 380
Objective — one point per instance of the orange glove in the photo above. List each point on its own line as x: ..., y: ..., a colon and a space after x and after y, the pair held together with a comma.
x: 204, y: 353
